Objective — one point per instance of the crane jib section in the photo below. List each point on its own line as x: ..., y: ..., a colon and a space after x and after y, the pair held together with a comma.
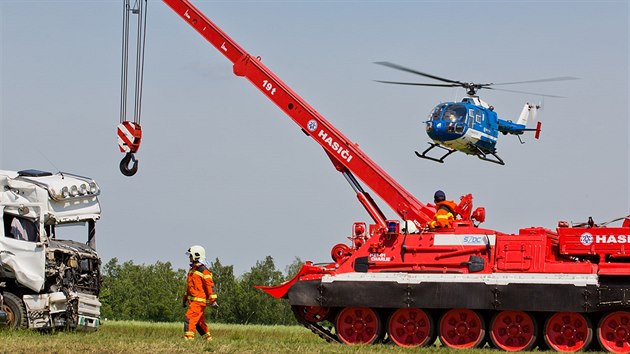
x: 312, y: 123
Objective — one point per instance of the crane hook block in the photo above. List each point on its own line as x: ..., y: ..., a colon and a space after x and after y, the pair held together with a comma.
x: 129, y: 136
x: 129, y: 165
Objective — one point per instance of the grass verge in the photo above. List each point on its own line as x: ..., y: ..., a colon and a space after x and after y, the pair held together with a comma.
x: 145, y: 337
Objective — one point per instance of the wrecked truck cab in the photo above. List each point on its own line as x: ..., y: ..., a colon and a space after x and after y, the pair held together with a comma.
x: 49, y: 268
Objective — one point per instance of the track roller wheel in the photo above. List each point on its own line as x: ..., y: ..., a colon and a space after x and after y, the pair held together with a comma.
x: 613, y: 332
x: 410, y: 327
x: 313, y: 314
x: 358, y: 325
x: 462, y: 329
x: 568, y: 332
x: 513, y: 331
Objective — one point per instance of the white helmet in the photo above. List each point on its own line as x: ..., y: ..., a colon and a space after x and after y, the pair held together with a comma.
x: 197, y: 252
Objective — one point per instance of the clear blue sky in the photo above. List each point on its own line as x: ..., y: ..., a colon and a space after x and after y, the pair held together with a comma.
x: 222, y: 167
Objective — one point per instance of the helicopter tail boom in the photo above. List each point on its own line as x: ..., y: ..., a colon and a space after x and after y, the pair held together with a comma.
x: 536, y: 130
x: 518, y: 128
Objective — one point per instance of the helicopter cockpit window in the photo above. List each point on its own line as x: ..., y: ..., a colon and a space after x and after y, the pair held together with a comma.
x: 436, y: 113
x: 455, y: 113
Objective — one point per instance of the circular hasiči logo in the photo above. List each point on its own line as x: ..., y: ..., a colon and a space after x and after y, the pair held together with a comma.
x: 586, y: 239
x: 311, y: 125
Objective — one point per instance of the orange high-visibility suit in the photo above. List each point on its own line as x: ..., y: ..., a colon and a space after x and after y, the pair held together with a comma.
x: 444, y: 215
x: 198, y: 296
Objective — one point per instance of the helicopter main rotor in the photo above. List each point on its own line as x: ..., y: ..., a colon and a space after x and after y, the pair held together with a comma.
x: 471, y: 87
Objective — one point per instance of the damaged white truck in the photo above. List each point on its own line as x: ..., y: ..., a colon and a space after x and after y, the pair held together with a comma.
x: 49, y: 269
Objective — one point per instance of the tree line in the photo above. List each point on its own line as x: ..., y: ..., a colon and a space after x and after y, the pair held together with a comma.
x: 154, y: 293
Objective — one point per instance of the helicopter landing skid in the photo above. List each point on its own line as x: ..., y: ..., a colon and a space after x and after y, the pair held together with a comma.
x: 441, y: 159
x: 484, y: 156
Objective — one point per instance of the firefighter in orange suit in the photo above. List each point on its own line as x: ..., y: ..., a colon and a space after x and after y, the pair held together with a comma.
x: 445, y: 211
x: 198, y: 295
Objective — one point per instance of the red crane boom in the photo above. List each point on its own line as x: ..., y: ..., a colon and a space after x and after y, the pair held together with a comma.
x: 345, y: 155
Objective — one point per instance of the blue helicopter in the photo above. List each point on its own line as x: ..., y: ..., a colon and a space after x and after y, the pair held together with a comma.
x: 471, y: 126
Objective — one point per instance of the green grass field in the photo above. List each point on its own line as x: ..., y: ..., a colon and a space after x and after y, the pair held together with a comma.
x: 144, y: 337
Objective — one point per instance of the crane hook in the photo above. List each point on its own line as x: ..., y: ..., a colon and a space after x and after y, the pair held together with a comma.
x: 125, y: 165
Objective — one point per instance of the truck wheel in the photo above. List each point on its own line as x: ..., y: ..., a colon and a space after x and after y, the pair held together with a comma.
x: 16, y: 312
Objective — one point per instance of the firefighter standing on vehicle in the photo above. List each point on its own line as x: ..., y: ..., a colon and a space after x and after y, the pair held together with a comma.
x: 445, y: 211
x: 198, y: 294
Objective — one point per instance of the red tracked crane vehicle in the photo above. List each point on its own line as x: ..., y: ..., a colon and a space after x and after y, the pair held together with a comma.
x: 401, y: 281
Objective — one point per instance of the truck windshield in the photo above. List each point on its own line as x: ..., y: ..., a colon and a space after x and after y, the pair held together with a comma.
x: 77, y: 231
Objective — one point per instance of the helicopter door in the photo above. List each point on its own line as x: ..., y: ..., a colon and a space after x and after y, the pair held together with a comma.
x: 471, y: 115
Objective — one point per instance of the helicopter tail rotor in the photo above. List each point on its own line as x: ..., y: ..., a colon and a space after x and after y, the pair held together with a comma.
x: 529, y: 111
x: 534, y: 116
x: 538, y: 126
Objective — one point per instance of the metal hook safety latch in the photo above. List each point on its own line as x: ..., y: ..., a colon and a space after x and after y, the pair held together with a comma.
x: 129, y: 165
